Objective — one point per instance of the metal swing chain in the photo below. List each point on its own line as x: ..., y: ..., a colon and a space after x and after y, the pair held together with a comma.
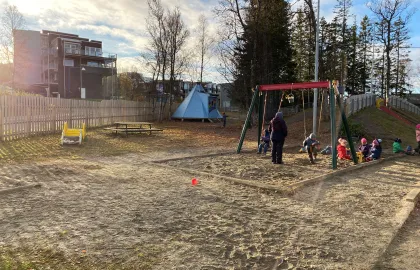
x: 265, y: 106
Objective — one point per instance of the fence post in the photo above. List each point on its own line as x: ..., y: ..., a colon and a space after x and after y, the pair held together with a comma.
x: 1, y: 118
x: 87, y: 103
x: 28, y: 117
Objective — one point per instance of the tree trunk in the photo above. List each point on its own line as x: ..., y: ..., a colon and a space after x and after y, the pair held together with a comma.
x: 388, y: 62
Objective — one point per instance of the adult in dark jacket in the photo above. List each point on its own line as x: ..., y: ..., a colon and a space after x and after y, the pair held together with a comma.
x: 278, y: 135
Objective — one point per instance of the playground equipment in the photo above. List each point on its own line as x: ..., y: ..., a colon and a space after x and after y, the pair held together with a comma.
x: 332, y: 86
x: 73, y: 136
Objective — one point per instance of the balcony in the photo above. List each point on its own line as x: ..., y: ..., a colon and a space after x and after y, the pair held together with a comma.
x: 89, y: 53
x: 73, y: 52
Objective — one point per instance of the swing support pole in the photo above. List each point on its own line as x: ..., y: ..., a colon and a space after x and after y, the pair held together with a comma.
x: 348, y: 133
x: 260, y: 117
x: 333, y: 136
x: 248, y: 118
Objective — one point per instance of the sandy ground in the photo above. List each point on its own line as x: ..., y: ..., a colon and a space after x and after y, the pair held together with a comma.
x: 252, y: 166
x: 123, y: 212
x: 404, y: 251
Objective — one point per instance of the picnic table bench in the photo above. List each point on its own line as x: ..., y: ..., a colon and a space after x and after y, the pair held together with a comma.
x: 133, y: 127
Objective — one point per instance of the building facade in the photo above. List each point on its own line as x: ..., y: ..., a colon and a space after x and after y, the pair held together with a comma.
x: 63, y: 64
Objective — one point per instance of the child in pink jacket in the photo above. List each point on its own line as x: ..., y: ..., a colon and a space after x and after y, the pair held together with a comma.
x: 418, y: 138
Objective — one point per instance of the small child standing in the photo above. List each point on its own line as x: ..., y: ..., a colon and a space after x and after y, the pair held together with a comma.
x: 310, y: 145
x: 224, y: 119
x: 418, y: 138
x: 342, y: 149
x: 265, y: 142
x: 364, y: 148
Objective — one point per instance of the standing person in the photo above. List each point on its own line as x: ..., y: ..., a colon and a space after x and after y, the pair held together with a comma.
x: 278, y: 135
x: 224, y: 119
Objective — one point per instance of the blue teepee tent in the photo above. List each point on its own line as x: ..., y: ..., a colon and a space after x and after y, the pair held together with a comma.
x: 196, y: 106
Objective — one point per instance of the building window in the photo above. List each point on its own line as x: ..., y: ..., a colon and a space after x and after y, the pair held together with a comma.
x: 69, y: 62
x: 71, y: 48
x: 93, y: 51
x: 92, y: 64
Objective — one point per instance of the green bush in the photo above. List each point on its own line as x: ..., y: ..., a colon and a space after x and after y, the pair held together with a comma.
x: 356, y: 129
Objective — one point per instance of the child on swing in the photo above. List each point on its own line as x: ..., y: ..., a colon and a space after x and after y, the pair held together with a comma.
x: 265, y: 141
x: 310, y: 144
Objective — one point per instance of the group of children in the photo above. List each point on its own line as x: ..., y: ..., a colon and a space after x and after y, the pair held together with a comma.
x: 369, y: 152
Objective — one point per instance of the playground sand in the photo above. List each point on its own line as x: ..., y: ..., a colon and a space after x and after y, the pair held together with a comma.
x: 257, y: 167
x: 122, y: 212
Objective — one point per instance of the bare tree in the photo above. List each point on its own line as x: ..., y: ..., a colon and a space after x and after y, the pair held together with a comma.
x: 131, y: 84
x: 387, y: 12
x: 178, y: 35
x: 10, y: 21
x: 231, y: 27
x: 159, y: 43
x: 205, y: 41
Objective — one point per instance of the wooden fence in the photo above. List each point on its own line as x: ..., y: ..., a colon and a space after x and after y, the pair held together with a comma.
x: 356, y: 103
x: 22, y: 116
x: 403, y: 104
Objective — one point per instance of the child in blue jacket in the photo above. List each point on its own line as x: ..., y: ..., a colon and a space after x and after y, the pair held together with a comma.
x: 310, y: 144
x: 375, y: 150
x: 265, y: 142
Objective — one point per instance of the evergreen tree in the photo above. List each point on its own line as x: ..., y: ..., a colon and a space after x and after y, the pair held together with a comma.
x: 266, y: 52
x: 399, y: 71
x: 342, y: 11
x: 300, y: 36
x: 353, y: 65
x: 365, y: 53
x: 331, y: 51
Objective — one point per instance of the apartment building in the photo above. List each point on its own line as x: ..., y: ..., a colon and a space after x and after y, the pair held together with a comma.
x: 63, y: 64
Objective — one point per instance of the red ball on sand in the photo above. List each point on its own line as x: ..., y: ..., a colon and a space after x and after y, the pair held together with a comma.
x: 194, y: 182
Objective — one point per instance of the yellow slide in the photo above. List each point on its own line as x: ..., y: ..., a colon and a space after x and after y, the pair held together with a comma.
x: 73, y: 136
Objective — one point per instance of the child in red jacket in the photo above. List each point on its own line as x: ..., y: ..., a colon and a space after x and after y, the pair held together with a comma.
x: 342, y: 149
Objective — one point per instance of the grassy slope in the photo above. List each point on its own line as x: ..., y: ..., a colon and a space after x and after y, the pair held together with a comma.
x: 378, y: 124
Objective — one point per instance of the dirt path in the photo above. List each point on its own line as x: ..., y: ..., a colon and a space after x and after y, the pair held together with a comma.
x: 404, y: 251
x: 124, y: 213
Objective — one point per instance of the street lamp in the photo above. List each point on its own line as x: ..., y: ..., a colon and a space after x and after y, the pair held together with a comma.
x: 82, y: 95
x: 315, y: 107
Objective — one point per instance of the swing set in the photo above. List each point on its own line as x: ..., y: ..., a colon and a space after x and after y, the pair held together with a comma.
x: 332, y: 86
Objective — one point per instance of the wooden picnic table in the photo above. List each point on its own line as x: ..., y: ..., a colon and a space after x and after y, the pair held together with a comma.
x: 133, y: 127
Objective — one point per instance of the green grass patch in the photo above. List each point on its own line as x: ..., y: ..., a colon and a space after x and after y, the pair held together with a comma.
x: 144, y: 258
x: 378, y: 124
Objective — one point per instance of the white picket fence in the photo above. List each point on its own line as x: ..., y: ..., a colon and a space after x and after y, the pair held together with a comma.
x: 354, y: 104
x: 403, y: 104
x: 22, y: 116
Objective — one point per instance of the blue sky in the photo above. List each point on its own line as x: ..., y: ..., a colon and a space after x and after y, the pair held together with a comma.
x: 121, y: 25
